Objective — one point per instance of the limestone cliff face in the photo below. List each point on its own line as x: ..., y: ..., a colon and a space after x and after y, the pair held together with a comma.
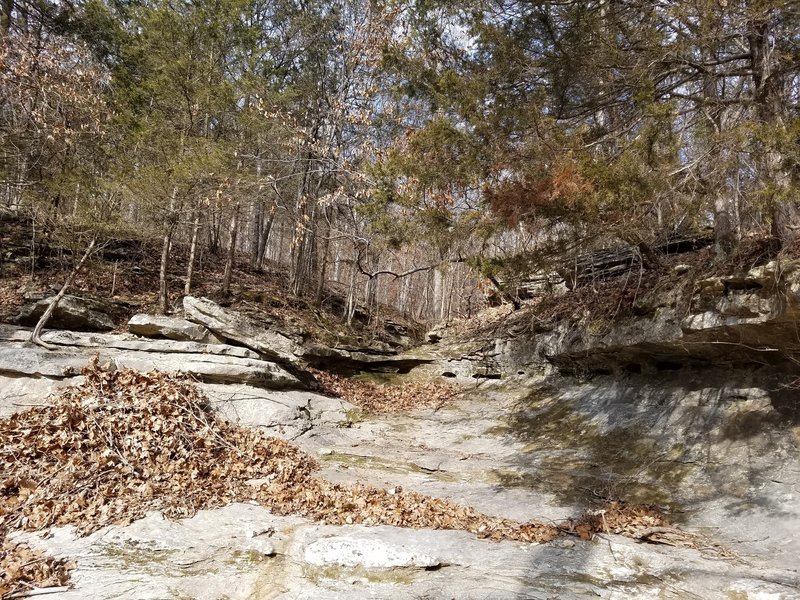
x: 748, y: 319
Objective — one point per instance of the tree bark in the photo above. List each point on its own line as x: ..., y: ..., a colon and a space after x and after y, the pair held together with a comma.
x: 229, y: 262
x: 169, y: 230
x: 350, y: 305
x: 37, y: 331
x: 192, y: 253
x: 323, y: 271
x: 771, y: 107
x: 263, y: 240
x: 723, y: 202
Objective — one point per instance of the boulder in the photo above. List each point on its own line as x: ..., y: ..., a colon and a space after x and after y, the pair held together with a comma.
x: 172, y: 328
x: 72, y: 312
x: 259, y: 336
x: 397, y: 335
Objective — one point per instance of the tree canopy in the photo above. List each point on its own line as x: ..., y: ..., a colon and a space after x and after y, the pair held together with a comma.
x: 391, y: 151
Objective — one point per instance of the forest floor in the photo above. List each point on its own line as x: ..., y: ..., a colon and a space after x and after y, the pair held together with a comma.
x: 130, y: 276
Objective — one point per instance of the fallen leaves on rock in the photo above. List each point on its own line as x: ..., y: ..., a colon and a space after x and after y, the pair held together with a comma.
x: 376, y: 398
x: 22, y: 569
x: 617, y: 517
x: 641, y: 522
x: 123, y: 443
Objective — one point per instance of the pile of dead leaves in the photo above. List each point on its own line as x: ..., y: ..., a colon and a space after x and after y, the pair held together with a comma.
x: 124, y: 443
x: 23, y: 569
x: 375, y: 398
x: 337, y: 504
x: 631, y: 520
x: 642, y: 522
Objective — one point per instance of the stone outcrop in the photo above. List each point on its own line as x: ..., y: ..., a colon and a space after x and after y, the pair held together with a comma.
x: 211, y: 363
x: 289, y: 348
x: 746, y: 319
x: 74, y: 313
x: 351, y: 359
x: 260, y: 336
x: 172, y: 328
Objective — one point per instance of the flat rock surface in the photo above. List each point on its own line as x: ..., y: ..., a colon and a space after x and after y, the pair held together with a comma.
x: 242, y: 551
x: 718, y: 452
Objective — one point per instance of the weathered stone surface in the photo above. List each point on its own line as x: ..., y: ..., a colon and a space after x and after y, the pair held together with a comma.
x: 261, y: 337
x: 19, y: 393
x: 18, y: 360
x: 173, y: 328
x: 397, y: 335
x: 353, y: 360
x: 287, y: 414
x: 37, y: 362
x: 210, y: 367
x: 224, y: 553
x: 731, y: 320
x: 375, y: 553
x: 215, y: 555
x: 73, y: 312
x: 129, y: 342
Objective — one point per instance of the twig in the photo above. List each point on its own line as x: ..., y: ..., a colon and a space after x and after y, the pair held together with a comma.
x: 40, y: 592
x: 36, y: 334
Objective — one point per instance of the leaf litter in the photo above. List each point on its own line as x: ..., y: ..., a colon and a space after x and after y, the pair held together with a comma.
x: 124, y: 443
x: 376, y: 398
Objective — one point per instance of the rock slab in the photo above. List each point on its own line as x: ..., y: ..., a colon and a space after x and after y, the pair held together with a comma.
x: 73, y: 313
x: 261, y: 337
x: 171, y: 328
x: 367, y: 553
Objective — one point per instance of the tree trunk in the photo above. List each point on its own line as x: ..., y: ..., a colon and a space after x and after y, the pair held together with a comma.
x: 169, y: 230
x: 323, y: 271
x: 187, y: 290
x: 234, y: 227
x: 350, y: 305
x: 37, y: 331
x: 5, y: 18
x: 726, y: 229
x: 263, y: 240
x: 768, y: 92
x: 163, y: 291
x: 256, y: 224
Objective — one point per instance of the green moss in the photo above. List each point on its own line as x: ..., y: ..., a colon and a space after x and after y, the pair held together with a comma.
x: 133, y: 556
x: 247, y: 558
x: 401, y: 576
x: 354, y: 416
